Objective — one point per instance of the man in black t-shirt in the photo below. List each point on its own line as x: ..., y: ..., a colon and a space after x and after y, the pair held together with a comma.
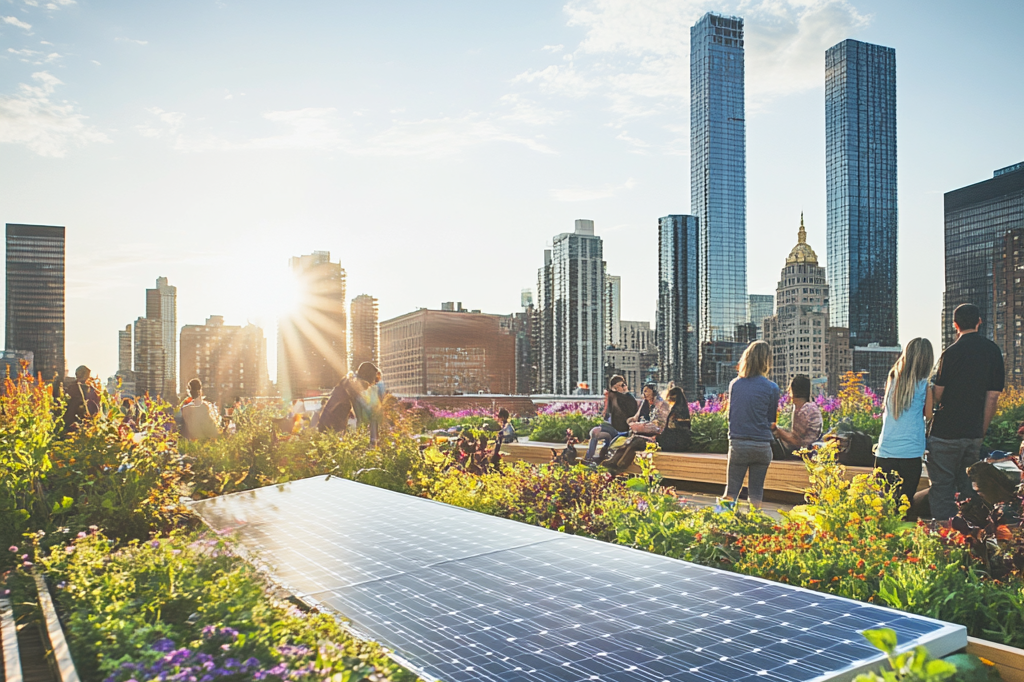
x: 967, y: 386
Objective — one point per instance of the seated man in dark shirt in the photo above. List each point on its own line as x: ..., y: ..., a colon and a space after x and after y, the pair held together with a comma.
x: 967, y: 386
x: 619, y: 405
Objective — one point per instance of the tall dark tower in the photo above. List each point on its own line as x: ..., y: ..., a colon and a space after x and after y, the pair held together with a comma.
x: 678, y: 312
x: 860, y: 180
x: 35, y: 295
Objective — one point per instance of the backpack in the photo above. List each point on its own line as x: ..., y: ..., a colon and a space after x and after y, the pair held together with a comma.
x: 199, y: 423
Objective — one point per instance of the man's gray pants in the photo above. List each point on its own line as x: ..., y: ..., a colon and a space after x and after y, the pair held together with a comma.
x: 947, y: 464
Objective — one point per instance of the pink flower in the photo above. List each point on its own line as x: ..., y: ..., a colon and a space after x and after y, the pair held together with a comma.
x: 12, y: 548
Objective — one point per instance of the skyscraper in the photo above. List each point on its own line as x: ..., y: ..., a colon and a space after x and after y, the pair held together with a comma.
x: 124, y: 349
x: 612, y: 309
x: 761, y: 306
x: 364, y: 337
x: 798, y: 332
x: 574, y: 330
x: 718, y: 173
x: 678, y: 323
x: 35, y: 295
x: 312, y: 352
x: 151, y: 359
x: 976, y: 218
x: 161, y: 304
x: 860, y: 180
x: 544, y: 328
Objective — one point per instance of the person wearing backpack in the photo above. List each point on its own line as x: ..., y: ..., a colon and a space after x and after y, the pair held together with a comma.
x: 199, y: 418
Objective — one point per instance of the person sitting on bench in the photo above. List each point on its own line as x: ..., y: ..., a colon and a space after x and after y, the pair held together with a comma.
x: 619, y: 406
x: 676, y: 437
x: 807, y: 422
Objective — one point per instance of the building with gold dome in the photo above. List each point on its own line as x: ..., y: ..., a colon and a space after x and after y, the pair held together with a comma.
x: 798, y: 332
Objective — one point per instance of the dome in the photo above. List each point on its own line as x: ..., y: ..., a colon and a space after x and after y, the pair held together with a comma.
x: 802, y: 252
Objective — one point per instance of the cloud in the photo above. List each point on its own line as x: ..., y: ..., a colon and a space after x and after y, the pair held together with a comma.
x: 636, y: 53
x: 48, y: 128
x: 325, y: 129
x: 582, y: 194
x: 132, y: 40
x: 14, y: 21
x: 553, y: 48
x: 34, y: 56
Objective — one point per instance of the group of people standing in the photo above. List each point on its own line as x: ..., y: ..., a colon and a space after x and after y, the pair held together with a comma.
x: 933, y: 415
x: 957, y: 400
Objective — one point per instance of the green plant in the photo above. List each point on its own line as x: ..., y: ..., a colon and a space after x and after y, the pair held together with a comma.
x: 710, y: 432
x: 129, y: 608
x: 910, y: 666
x: 549, y: 428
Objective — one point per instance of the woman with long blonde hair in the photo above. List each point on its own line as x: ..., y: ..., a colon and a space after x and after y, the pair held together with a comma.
x: 753, y: 407
x: 906, y: 409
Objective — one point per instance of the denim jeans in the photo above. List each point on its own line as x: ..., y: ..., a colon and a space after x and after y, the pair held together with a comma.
x: 947, y: 463
x: 605, y: 432
x: 748, y: 455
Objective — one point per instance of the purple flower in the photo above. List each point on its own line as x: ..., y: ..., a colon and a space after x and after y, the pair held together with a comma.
x: 24, y: 557
x: 27, y: 564
x: 163, y: 645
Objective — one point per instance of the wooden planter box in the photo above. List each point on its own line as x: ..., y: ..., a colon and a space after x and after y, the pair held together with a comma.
x: 700, y: 467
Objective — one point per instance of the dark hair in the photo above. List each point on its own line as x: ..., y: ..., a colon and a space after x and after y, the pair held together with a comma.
x: 367, y: 372
x: 503, y: 414
x: 195, y: 388
x: 676, y: 395
x: 967, y: 316
x: 800, y: 387
x: 653, y: 387
x: 615, y: 380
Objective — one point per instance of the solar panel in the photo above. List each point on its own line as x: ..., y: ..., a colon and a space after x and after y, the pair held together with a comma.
x: 463, y: 596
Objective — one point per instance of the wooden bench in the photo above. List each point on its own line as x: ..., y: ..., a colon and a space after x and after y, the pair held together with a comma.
x: 699, y: 467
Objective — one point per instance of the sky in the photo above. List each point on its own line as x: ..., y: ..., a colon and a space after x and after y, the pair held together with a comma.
x: 436, y: 148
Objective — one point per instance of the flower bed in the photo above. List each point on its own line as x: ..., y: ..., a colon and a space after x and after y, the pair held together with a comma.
x: 846, y: 540
x: 186, y: 608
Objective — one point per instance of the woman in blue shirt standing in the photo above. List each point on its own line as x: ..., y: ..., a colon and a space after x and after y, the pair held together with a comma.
x: 753, y: 407
x: 907, y: 408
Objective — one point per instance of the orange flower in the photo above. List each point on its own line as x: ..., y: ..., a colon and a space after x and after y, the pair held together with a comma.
x: 1003, y: 533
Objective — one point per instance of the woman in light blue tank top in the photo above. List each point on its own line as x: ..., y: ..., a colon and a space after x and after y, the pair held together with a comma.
x: 907, y: 408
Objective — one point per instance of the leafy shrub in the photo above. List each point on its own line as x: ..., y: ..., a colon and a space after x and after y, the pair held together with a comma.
x: 180, y: 603
x: 551, y: 428
x: 710, y: 432
x: 104, y: 473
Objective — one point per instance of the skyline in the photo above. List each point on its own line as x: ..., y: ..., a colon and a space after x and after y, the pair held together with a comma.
x: 502, y: 144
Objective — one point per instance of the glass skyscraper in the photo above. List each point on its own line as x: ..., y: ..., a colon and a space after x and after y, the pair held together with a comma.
x: 718, y: 173
x: 977, y: 217
x: 35, y: 295
x: 678, y: 311
x: 860, y: 180
x: 571, y: 292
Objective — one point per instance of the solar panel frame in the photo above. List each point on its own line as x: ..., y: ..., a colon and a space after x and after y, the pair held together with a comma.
x: 354, y: 586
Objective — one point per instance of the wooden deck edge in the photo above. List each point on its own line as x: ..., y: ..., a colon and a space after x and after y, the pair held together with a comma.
x: 1009, y: 660
x: 9, y: 636
x: 59, y: 645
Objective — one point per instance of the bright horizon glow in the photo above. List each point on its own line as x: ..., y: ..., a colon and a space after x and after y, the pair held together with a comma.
x: 435, y: 150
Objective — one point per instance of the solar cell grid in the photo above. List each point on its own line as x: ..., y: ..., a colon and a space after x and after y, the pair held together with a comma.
x: 465, y: 596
